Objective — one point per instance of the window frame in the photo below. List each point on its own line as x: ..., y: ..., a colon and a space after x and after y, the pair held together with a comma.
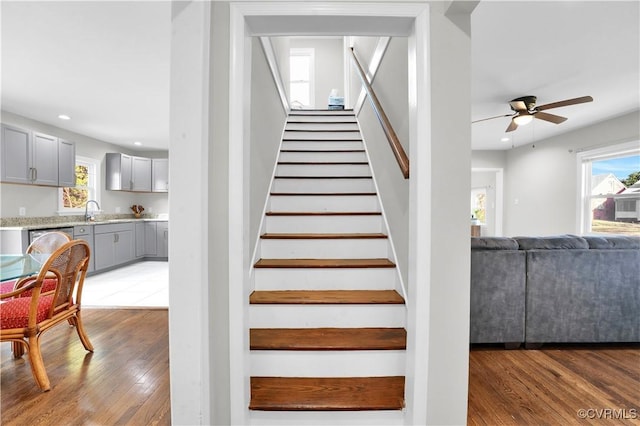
x: 309, y: 52
x: 93, y: 187
x: 585, y: 158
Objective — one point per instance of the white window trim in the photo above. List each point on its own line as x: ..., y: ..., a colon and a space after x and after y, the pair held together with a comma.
x: 584, y: 159
x: 65, y: 211
x: 310, y: 52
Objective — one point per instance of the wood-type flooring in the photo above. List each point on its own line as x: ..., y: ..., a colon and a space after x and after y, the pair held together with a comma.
x: 126, y: 379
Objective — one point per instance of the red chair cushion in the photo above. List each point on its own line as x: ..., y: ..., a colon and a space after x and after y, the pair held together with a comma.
x: 14, y: 313
x: 7, y: 286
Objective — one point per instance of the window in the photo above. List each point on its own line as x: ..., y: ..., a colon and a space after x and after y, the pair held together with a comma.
x: 610, y: 189
x: 73, y: 200
x: 478, y: 204
x: 301, y: 77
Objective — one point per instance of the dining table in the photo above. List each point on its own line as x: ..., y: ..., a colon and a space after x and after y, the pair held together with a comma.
x: 14, y: 266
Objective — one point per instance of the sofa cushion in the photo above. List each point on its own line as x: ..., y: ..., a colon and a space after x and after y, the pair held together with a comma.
x: 552, y: 243
x: 619, y: 242
x: 493, y: 243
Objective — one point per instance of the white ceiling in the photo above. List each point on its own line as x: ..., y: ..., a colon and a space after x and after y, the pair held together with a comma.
x: 106, y: 64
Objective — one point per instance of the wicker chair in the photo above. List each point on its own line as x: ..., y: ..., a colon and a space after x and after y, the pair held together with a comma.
x: 24, y: 319
x: 44, y: 244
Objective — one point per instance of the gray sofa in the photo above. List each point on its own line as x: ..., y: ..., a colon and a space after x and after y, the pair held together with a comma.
x: 555, y: 289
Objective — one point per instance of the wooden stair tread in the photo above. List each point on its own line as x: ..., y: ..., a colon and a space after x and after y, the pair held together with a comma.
x: 323, y: 213
x: 325, y: 297
x: 328, y: 339
x: 327, y: 393
x: 325, y: 263
x: 311, y: 236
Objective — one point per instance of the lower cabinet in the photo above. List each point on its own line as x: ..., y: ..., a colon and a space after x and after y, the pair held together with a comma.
x: 85, y: 232
x: 114, y: 244
x: 162, y: 244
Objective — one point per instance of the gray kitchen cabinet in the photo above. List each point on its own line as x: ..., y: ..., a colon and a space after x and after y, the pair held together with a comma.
x: 150, y: 242
x: 141, y: 174
x: 66, y: 163
x: 85, y: 232
x: 160, y: 175
x: 162, y: 239
x: 35, y: 158
x: 118, y: 172
x: 114, y: 244
x: 128, y: 173
x: 140, y: 240
x: 16, y: 155
x: 45, y: 160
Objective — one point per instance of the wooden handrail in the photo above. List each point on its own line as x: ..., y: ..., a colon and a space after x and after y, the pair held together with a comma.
x: 394, y: 142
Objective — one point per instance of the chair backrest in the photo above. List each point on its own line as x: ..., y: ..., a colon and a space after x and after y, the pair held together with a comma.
x: 69, y: 264
x: 48, y: 243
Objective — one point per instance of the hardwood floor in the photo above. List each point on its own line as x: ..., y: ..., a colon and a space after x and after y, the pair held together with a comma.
x: 556, y: 385
x: 125, y: 380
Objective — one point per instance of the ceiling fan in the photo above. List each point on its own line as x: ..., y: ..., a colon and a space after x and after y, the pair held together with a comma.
x: 525, y: 110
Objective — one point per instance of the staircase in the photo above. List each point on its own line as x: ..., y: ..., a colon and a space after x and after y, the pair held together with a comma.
x: 327, y: 334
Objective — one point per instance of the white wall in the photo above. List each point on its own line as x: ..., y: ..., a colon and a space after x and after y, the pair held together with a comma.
x: 267, y: 124
x: 541, y: 178
x: 43, y: 201
x: 391, y: 88
x: 328, y: 66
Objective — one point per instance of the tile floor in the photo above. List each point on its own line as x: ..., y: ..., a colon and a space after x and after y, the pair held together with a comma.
x: 142, y: 284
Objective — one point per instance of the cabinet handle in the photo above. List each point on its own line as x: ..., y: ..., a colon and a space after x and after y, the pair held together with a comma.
x: 166, y: 235
x: 116, y: 238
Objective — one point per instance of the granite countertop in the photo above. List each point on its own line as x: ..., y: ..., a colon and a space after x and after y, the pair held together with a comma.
x: 31, y: 223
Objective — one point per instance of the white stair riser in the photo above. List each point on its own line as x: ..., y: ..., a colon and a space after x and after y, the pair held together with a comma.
x: 367, y: 363
x: 360, y: 248
x: 323, y: 114
x: 324, y: 224
x: 323, y: 185
x: 312, y: 316
x: 333, y: 157
x: 322, y: 145
x: 342, y: 418
x: 325, y: 278
x: 323, y: 203
x: 323, y: 126
x: 334, y: 136
x: 323, y: 170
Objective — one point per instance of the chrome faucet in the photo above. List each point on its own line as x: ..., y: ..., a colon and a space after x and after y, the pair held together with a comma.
x: 89, y: 216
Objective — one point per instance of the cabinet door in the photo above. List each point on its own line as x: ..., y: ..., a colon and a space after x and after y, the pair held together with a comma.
x: 123, y: 247
x: 66, y: 163
x: 16, y: 154
x: 163, y: 239
x: 150, y: 239
x: 141, y: 174
x: 45, y: 159
x: 140, y: 239
x: 160, y: 175
x: 104, y: 250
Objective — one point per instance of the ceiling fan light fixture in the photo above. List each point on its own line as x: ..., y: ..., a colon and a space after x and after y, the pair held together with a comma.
x: 523, y: 119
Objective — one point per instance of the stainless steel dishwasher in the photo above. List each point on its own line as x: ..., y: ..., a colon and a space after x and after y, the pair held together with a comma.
x: 38, y: 232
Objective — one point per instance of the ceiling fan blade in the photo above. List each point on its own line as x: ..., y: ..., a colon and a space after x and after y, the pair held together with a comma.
x: 491, y: 118
x: 518, y: 105
x: 512, y: 126
x: 549, y: 117
x: 566, y: 102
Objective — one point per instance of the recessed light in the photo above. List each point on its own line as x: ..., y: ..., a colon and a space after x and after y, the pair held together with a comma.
x: 64, y: 117
x: 137, y: 143
x: 504, y: 140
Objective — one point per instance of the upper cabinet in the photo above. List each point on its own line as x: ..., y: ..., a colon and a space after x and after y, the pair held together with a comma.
x: 130, y: 173
x: 35, y: 158
x: 160, y: 175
